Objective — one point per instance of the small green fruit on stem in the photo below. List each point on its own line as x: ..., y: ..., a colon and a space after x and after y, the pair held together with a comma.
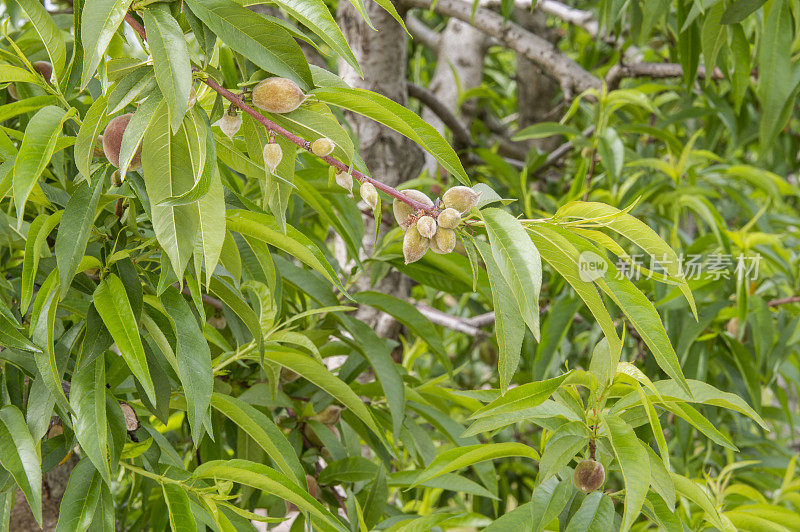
x: 369, y: 194
x: 426, y: 226
x: 112, y: 141
x: 460, y: 198
x: 278, y: 95
x: 322, y: 147
x: 272, y: 156
x: 414, y: 245
x: 589, y: 475
x: 403, y: 212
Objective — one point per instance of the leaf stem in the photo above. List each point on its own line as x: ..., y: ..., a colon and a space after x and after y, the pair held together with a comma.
x: 275, y: 128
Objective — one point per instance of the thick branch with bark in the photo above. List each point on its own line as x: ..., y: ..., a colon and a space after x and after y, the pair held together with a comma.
x: 571, y: 76
x: 652, y: 70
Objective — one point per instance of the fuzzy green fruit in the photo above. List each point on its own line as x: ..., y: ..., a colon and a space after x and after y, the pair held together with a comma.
x: 403, y: 211
x: 460, y: 198
x: 414, y: 245
x: 278, y: 95
x: 589, y: 475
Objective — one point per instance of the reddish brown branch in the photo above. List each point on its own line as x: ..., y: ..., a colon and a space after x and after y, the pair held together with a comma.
x: 783, y: 301
x: 273, y: 127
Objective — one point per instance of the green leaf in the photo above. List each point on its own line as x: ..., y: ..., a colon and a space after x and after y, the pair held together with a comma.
x: 447, y: 481
x: 380, y: 358
x: 408, y: 315
x: 134, y: 132
x: 111, y: 302
x: 263, y: 431
x: 74, y: 231
x: 459, y: 457
x: 139, y: 80
x: 698, y: 495
x: 181, y: 518
x: 544, y: 130
x: 168, y: 165
x: 48, y: 32
x: 561, y: 448
x: 740, y: 9
x: 194, y: 361
x: 37, y: 147
x: 522, y: 397
x: 263, y: 227
x: 99, y: 22
x: 261, y: 41
x: 10, y: 73
x: 549, y: 499
x: 351, y: 469
x: 701, y: 392
x: 318, y: 374
x: 94, y: 121
x: 778, y: 76
x: 596, y: 514
x: 637, y: 232
x: 518, y: 261
x: 509, y: 328
x: 395, y: 116
x: 211, y: 209
x: 87, y: 397
x: 564, y: 257
x: 80, y: 498
x: 639, y: 310
x: 520, y: 518
x: 269, y: 481
x: 316, y: 16
x: 43, y: 318
x: 634, y: 463
x: 170, y: 60
x: 19, y: 456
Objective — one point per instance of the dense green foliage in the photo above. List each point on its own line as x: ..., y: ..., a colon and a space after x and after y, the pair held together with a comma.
x: 184, y: 330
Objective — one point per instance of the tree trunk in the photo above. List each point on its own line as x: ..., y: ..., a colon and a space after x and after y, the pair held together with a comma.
x: 461, y: 50
x: 389, y: 156
x: 536, y: 91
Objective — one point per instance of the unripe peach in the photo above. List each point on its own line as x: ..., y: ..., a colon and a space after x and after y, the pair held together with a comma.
x: 369, y: 194
x: 414, y: 245
x: 116, y: 179
x: 589, y: 475
x: 112, y: 141
x: 322, y: 147
x: 426, y: 226
x: 278, y: 95
x: 313, y: 486
x: 345, y: 180
x: 460, y: 198
x: 45, y: 69
x: 288, y: 376
x: 272, y: 156
x: 402, y: 210
x: 449, y: 218
x: 230, y: 124
x: 329, y: 415
x: 445, y: 240
x: 218, y: 322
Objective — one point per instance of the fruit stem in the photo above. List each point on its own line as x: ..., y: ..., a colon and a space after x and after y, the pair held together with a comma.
x: 301, y: 142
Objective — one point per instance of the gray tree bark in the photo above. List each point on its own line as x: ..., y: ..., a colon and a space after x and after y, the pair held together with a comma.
x: 388, y: 155
x: 536, y: 91
x: 460, y: 52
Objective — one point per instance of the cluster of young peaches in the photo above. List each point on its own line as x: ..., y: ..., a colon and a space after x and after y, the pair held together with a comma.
x: 423, y: 231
